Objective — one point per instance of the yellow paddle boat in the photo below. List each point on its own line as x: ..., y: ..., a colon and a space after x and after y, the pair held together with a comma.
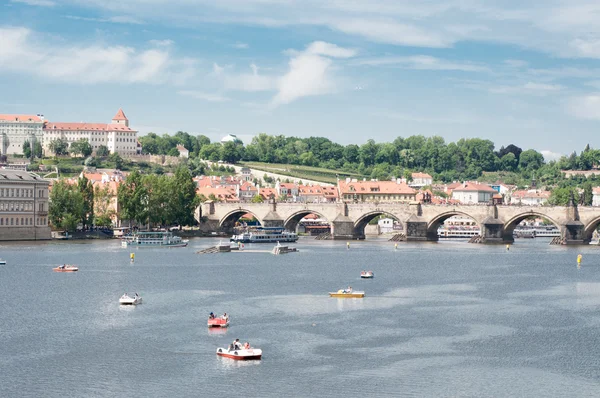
x: 347, y: 293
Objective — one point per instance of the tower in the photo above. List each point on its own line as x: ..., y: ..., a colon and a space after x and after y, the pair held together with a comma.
x: 120, y: 118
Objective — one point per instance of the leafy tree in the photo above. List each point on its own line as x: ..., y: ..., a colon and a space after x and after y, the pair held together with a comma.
x: 173, y: 152
x: 102, y: 211
x: 588, y: 195
x: 183, y: 199
x: 531, y: 160
x: 560, y: 196
x: 37, y: 150
x: 59, y: 146
x: 81, y: 147
x: 66, y: 206
x: 117, y: 160
x: 231, y: 152
x: 27, y: 149
x: 86, y: 189
x: 257, y: 199
x: 132, y: 196
x: 102, y: 151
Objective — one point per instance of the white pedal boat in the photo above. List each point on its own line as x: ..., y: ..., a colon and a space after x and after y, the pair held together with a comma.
x: 367, y: 274
x: 240, y: 355
x: 128, y: 300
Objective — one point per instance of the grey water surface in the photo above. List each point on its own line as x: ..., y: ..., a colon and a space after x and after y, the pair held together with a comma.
x: 439, y: 320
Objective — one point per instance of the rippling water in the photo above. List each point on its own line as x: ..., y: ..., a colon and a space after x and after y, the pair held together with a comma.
x: 447, y: 319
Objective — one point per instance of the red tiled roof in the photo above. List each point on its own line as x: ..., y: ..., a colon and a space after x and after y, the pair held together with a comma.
x: 596, y: 190
x: 52, y: 126
x: 20, y: 118
x: 380, y: 187
x: 226, y: 194
x: 526, y: 194
x: 120, y: 115
x: 474, y: 187
x: 266, y: 192
x: 420, y: 175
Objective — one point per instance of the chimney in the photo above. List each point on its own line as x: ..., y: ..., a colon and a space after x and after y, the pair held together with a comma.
x: 347, y: 180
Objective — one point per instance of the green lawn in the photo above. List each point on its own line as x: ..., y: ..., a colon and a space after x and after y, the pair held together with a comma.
x: 303, y: 172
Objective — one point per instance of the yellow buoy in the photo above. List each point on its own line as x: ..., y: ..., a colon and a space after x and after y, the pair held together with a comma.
x: 507, y: 247
x: 579, y: 257
x: 348, y: 245
x: 396, y: 246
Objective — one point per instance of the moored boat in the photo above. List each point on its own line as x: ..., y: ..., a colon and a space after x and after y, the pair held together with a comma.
x: 279, y: 249
x: 243, y: 354
x: 66, y: 268
x: 265, y: 235
x: 2, y: 262
x: 153, y: 239
x: 345, y: 293
x: 367, y: 274
x: 126, y: 299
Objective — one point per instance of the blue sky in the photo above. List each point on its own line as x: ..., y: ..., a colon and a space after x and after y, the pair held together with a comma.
x: 349, y: 70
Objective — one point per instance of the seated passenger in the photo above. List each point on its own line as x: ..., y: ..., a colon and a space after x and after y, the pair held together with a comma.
x: 246, y: 346
x: 225, y: 316
x: 211, y: 316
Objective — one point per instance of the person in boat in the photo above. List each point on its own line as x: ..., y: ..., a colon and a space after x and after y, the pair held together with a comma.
x: 348, y: 289
x: 246, y: 346
x: 237, y: 345
x: 225, y: 316
x: 211, y: 316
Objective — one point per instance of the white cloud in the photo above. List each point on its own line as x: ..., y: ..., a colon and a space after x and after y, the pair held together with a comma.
x: 250, y: 82
x: 585, y: 107
x: 40, y: 3
x: 549, y: 155
x: 124, y: 19
x: 515, y: 63
x: 527, y: 88
x: 23, y: 51
x: 241, y: 46
x: 307, y: 76
x: 203, y: 96
x: 161, y: 43
x: 423, y: 62
x: 587, y: 48
x: 329, y: 50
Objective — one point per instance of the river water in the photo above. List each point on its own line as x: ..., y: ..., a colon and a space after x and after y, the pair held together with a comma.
x: 447, y: 319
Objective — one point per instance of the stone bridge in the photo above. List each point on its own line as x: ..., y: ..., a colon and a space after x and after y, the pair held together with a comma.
x: 420, y: 221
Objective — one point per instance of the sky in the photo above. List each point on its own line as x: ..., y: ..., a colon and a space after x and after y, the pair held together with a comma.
x: 523, y: 73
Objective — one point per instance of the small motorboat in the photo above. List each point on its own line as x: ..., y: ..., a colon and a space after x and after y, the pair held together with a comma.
x: 243, y: 354
x: 279, y: 249
x: 66, y: 268
x: 218, y: 321
x: 128, y: 300
x: 345, y: 293
x: 2, y: 262
x: 367, y: 274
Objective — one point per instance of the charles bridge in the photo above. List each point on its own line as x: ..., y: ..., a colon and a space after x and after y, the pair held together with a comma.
x: 420, y: 221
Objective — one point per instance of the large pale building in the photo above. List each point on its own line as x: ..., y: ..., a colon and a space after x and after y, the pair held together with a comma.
x: 23, y: 206
x: 16, y: 129
x: 117, y: 136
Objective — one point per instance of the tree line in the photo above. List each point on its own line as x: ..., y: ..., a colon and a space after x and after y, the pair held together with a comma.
x: 153, y: 200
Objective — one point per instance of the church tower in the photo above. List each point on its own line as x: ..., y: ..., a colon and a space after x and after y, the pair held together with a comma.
x: 120, y: 118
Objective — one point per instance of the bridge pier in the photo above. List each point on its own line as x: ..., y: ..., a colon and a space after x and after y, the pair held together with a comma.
x: 492, y: 231
x: 342, y: 228
x: 574, y: 233
x: 416, y: 230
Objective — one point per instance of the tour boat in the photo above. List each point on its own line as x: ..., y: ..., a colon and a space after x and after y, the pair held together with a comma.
x: 265, y: 235
x: 65, y: 268
x: 342, y: 293
x: 218, y: 322
x: 153, y: 239
x: 367, y: 274
x: 128, y: 300
x: 240, y: 355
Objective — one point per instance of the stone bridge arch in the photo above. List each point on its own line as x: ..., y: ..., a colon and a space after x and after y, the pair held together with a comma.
x: 591, y: 226
x: 511, y: 223
x: 227, y: 222
x: 363, y: 220
x: 436, y: 222
x: 291, y: 223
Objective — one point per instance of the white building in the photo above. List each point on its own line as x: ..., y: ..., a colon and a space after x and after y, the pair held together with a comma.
x: 183, y: 153
x: 473, y: 193
x: 386, y: 225
x: 596, y: 197
x: 117, y: 136
x: 230, y: 138
x: 16, y: 129
x: 420, y: 180
x: 529, y: 198
x: 23, y: 206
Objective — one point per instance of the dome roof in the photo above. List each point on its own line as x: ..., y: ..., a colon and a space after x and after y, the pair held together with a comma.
x: 230, y: 138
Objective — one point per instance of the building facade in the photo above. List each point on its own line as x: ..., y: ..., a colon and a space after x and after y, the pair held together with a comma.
x: 375, y: 191
x: 117, y: 136
x: 23, y: 206
x: 16, y: 129
x: 473, y: 193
